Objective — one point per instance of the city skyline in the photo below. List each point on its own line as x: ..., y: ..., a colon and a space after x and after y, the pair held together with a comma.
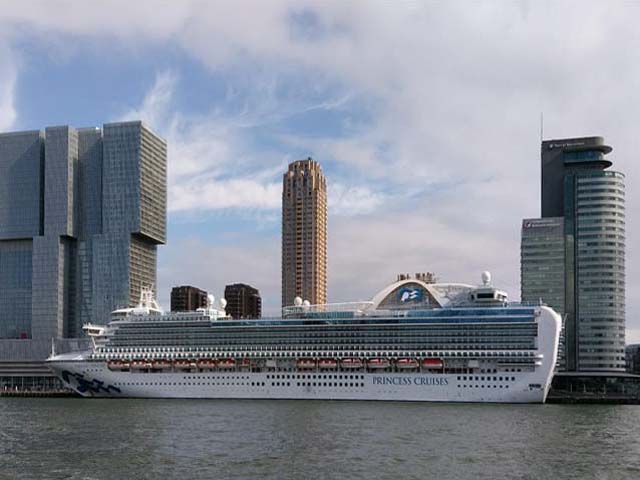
x: 410, y: 145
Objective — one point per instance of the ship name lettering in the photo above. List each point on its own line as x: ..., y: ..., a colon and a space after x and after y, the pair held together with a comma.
x: 434, y: 381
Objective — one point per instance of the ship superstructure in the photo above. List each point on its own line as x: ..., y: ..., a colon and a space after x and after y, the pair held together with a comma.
x: 414, y: 341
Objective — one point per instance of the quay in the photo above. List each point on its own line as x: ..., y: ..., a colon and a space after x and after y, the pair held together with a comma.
x: 38, y: 393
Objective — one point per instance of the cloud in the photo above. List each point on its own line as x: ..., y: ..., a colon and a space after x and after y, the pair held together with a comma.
x: 437, y: 103
x: 8, y: 77
x: 347, y: 200
x: 239, y: 193
x: 156, y: 105
x: 205, y: 155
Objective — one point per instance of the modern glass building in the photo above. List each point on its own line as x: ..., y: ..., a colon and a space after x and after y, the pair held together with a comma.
x: 542, y: 272
x: 577, y: 186
x: 81, y: 214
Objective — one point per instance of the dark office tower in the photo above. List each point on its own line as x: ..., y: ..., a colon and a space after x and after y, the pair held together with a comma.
x: 304, y: 233
x: 187, y: 299
x: 243, y: 301
x: 81, y: 215
x: 577, y: 186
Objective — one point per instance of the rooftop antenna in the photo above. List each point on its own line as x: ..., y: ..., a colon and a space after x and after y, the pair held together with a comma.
x: 541, y: 126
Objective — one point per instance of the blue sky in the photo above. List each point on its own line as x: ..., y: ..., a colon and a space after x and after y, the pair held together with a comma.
x: 424, y: 116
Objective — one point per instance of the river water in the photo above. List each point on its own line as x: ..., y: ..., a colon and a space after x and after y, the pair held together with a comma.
x: 222, y: 439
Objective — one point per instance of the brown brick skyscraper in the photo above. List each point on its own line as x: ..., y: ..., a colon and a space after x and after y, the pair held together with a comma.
x: 304, y: 233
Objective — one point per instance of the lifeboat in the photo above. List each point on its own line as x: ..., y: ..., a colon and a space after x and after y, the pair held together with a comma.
x: 245, y: 363
x: 432, y: 363
x: 377, y: 363
x: 140, y: 364
x: 161, y: 364
x: 183, y: 364
x: 227, y: 363
x: 351, y: 363
x: 407, y: 363
x: 206, y: 363
x: 328, y: 363
x: 117, y: 365
x: 306, y: 363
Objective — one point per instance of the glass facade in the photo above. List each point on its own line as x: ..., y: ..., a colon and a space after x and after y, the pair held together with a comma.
x: 81, y: 215
x: 15, y: 290
x: 589, y: 254
x: 542, y: 267
x: 600, y: 269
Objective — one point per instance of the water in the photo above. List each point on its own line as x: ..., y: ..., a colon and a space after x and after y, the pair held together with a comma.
x: 219, y: 439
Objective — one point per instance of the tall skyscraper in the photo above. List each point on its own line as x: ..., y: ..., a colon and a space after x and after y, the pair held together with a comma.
x: 587, y: 200
x: 81, y: 215
x: 243, y: 301
x: 304, y: 233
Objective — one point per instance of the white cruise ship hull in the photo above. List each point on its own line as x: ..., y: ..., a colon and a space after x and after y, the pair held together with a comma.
x: 94, y: 379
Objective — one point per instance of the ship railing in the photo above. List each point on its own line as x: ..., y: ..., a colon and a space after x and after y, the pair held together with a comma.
x: 349, y: 307
x: 527, y: 304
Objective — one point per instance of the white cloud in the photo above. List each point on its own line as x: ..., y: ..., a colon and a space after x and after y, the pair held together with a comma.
x: 239, y: 193
x: 348, y: 201
x: 8, y: 77
x: 157, y: 104
x: 453, y: 92
x: 204, y: 153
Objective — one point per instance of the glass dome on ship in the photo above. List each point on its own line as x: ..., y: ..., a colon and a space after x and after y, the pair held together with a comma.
x: 414, y: 341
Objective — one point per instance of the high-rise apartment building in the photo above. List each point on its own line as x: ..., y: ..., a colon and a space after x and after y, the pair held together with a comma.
x: 82, y: 212
x: 187, y: 299
x: 243, y: 301
x: 304, y: 233
x: 588, y: 200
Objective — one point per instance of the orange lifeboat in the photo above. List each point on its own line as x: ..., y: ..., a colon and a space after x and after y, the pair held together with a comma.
x: 161, y: 364
x: 227, y: 363
x: 407, y: 363
x: 140, y: 364
x: 328, y: 363
x: 117, y: 365
x: 183, y: 364
x: 306, y: 363
x: 432, y: 363
x: 206, y: 363
x: 377, y: 363
x: 351, y: 363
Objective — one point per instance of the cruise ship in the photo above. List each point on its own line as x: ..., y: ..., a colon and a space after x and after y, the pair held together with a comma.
x: 415, y: 341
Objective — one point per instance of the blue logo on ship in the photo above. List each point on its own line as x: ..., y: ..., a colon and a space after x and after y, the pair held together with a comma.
x: 410, y: 295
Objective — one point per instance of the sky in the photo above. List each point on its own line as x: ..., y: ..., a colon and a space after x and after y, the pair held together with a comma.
x: 425, y: 117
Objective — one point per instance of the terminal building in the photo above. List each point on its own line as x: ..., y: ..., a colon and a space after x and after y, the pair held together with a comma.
x: 82, y: 212
x: 573, y: 258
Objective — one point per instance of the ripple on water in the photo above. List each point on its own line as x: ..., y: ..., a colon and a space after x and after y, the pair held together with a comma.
x: 104, y: 439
